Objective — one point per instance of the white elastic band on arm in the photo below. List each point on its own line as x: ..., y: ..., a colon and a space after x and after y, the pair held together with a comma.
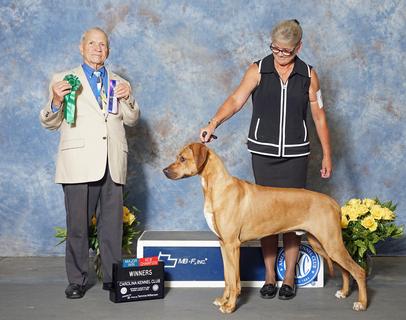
x: 319, y: 99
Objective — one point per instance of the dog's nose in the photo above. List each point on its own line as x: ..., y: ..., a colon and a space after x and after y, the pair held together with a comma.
x: 166, y: 171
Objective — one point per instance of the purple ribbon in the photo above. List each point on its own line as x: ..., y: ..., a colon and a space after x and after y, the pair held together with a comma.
x: 113, y: 101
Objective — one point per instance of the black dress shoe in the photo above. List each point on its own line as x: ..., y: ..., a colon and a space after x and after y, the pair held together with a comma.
x: 287, y: 292
x: 75, y: 291
x: 108, y: 286
x: 268, y: 291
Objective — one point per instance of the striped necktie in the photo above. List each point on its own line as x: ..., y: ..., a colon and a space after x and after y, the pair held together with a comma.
x: 101, y: 93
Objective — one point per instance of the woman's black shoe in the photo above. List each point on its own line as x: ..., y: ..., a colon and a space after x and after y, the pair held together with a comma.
x: 268, y: 291
x: 287, y: 292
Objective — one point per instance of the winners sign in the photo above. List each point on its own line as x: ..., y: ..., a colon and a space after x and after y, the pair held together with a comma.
x: 138, y: 279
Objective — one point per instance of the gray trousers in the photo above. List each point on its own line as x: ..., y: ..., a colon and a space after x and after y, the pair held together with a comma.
x: 81, y: 201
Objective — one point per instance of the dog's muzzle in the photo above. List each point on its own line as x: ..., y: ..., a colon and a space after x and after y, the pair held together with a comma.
x: 169, y: 174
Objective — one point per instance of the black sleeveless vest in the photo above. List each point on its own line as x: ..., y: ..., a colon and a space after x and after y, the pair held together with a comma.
x: 278, y: 125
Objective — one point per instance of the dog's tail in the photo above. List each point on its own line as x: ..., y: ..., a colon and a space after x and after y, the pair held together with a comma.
x: 316, y: 245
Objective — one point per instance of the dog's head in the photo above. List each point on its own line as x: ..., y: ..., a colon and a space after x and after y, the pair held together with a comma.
x: 189, y: 162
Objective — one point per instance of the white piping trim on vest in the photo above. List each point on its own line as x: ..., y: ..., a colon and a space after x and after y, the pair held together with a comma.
x: 305, y: 130
x: 276, y: 146
x: 259, y: 66
x: 284, y: 94
x: 308, y: 69
x: 281, y: 128
x: 263, y: 153
x: 256, y: 129
x: 297, y: 145
x: 275, y: 155
x: 296, y: 155
x: 264, y: 143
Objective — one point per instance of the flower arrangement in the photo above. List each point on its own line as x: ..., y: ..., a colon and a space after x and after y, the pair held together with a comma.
x: 366, y: 222
x: 129, y: 232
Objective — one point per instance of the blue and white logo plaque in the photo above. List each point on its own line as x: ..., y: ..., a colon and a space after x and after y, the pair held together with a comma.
x: 307, y: 268
x: 193, y: 259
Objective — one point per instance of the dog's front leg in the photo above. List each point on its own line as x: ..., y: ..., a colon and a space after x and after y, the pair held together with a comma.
x: 220, y: 301
x: 231, y: 262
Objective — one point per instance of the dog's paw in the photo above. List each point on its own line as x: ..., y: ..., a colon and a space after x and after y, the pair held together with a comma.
x: 340, y: 295
x: 219, y: 301
x: 358, y: 306
x: 227, y: 308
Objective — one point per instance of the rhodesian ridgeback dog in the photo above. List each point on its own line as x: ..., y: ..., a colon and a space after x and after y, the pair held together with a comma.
x: 238, y: 211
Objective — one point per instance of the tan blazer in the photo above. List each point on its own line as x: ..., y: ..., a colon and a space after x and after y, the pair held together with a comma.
x: 85, y: 146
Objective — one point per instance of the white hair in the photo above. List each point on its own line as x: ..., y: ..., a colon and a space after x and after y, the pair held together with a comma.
x: 82, y: 38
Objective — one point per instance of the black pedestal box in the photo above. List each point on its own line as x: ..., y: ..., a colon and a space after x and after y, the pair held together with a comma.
x: 137, y: 283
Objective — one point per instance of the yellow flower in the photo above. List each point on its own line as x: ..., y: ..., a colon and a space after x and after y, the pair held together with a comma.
x: 353, y: 214
x: 369, y: 223
x: 387, y: 214
x: 344, y: 221
x: 368, y: 202
x: 132, y: 219
x: 361, y: 209
x: 354, y: 202
x: 128, y: 217
x: 377, y: 212
x: 345, y: 210
x: 126, y: 214
x: 93, y: 221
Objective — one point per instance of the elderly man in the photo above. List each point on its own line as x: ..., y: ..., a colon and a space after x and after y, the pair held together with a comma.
x: 92, y: 157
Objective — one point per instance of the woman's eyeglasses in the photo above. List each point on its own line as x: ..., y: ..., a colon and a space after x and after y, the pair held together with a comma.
x: 285, y: 52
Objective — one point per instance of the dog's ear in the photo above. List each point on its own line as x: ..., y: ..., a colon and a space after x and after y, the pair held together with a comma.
x: 200, y: 153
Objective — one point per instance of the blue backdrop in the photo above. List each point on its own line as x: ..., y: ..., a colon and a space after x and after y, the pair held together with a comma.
x: 183, y: 58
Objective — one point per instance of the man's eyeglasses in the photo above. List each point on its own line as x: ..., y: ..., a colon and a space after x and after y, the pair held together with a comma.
x: 285, y: 52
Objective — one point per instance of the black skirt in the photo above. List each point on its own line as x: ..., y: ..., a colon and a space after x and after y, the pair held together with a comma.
x: 280, y: 172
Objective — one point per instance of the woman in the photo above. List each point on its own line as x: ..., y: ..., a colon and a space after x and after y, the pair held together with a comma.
x: 282, y: 86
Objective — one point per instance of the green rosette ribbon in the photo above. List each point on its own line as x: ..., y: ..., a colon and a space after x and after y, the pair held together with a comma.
x: 70, y: 99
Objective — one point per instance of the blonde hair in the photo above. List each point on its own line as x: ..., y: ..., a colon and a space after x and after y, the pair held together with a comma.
x: 288, y: 32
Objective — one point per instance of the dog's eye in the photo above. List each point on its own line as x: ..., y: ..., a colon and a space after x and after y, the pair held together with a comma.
x: 181, y: 159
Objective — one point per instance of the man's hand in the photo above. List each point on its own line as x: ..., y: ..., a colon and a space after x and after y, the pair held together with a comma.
x: 60, y: 89
x: 123, y: 90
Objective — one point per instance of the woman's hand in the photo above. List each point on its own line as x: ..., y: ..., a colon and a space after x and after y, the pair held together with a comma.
x: 206, y: 133
x: 326, y: 167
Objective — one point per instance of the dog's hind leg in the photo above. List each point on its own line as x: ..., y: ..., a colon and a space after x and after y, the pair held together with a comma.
x: 336, y: 250
x: 316, y: 245
x: 345, y: 290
